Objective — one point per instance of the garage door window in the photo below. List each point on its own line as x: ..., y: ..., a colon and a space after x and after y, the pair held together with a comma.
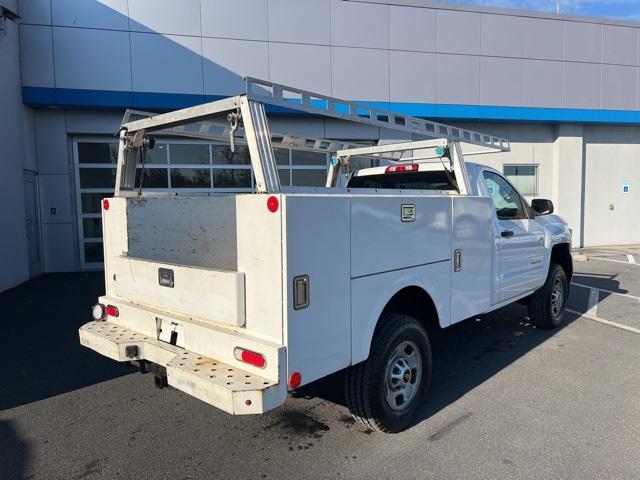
x: 174, y: 165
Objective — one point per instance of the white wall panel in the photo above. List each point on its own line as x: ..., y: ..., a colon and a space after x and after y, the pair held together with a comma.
x: 581, y: 85
x: 619, y: 45
x: 360, y: 74
x: 246, y: 19
x: 543, y: 38
x: 36, y: 56
x: 300, y: 22
x: 166, y: 63
x: 582, y: 42
x: 298, y: 126
x: 108, y: 14
x: 359, y: 24
x: 457, y: 79
x: 305, y: 66
x: 35, y: 11
x: 226, y: 61
x: 58, y: 245
x: 51, y: 142
x: 93, y: 122
x: 55, y: 193
x: 618, y: 87
x: 412, y: 76
x: 341, y: 129
x: 166, y: 16
x: 91, y: 59
x: 502, y: 35
x: 542, y: 83
x: 500, y: 81
x: 611, y: 157
x: 412, y: 28
x: 458, y: 32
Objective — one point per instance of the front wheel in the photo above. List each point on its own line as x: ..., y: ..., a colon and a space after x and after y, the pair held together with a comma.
x: 386, y: 391
x: 547, y: 305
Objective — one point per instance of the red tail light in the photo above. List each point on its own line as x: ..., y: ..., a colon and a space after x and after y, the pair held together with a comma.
x: 402, y: 168
x: 272, y: 204
x: 295, y: 380
x: 112, y: 311
x: 252, y: 358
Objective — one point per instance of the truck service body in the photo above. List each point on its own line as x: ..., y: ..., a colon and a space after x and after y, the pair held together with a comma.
x: 238, y: 298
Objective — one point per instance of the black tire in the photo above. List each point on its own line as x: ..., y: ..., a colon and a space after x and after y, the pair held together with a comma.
x: 366, y: 383
x: 543, y: 312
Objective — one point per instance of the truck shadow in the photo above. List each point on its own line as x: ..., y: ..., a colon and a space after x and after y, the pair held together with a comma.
x: 14, y: 452
x: 467, y: 354
x: 41, y: 355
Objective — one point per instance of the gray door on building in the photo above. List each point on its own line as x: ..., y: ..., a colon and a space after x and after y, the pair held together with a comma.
x: 32, y: 219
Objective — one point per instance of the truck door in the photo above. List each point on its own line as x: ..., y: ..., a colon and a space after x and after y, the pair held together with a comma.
x: 519, y: 238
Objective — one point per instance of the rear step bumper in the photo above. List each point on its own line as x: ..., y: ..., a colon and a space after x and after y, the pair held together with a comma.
x: 229, y: 388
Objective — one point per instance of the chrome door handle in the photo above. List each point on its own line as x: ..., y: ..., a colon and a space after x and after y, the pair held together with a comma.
x: 507, y: 233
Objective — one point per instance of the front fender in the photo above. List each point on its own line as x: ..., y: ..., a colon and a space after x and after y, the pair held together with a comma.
x: 371, y: 293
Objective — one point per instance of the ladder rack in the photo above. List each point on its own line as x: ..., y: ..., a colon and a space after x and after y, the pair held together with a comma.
x: 200, y: 122
x: 220, y: 131
x: 318, y: 104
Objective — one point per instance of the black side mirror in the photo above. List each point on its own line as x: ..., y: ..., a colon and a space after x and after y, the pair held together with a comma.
x: 542, y: 206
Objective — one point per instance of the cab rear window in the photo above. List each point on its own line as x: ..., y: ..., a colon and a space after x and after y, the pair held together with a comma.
x: 430, y: 180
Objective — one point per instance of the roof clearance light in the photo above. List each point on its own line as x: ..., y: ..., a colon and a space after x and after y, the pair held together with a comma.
x: 112, y: 311
x: 440, y: 151
x: 402, y: 168
x: 105, y: 204
x: 252, y: 358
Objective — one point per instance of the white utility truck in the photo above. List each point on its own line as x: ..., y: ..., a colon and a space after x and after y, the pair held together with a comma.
x: 238, y: 298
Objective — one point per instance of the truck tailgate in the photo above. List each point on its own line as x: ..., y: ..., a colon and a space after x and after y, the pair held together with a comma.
x: 203, y: 293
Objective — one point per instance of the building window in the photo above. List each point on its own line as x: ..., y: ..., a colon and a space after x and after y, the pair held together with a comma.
x: 524, y: 178
x: 175, y: 165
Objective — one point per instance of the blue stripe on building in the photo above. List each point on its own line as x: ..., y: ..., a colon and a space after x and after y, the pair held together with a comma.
x: 107, y: 99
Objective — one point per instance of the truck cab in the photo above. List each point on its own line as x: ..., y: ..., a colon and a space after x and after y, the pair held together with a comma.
x: 524, y: 237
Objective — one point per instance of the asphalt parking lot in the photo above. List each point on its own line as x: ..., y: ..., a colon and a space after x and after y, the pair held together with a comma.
x: 507, y: 400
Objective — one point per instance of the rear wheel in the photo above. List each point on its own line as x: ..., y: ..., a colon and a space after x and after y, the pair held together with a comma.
x: 386, y: 391
x: 547, y: 305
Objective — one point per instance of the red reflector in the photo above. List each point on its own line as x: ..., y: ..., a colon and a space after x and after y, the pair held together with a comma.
x: 252, y: 358
x: 272, y: 204
x: 112, y: 311
x: 295, y: 380
x: 402, y: 168
x: 105, y: 204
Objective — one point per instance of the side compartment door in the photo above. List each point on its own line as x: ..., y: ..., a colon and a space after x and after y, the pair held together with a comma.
x: 520, y: 242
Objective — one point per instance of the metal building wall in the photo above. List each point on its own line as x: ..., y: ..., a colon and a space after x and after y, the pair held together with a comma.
x: 423, y: 58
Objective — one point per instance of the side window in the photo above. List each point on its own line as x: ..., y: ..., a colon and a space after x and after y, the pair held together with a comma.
x: 506, y: 200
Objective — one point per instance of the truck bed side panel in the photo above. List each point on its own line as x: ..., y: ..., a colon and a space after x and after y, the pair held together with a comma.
x: 473, y: 235
x: 259, y: 234
x: 381, y: 241
x: 317, y: 245
x: 370, y: 294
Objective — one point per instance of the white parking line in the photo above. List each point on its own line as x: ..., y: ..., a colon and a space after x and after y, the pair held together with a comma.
x: 606, y: 322
x: 631, y: 259
x: 611, y: 292
x: 612, y: 260
x: 592, y: 306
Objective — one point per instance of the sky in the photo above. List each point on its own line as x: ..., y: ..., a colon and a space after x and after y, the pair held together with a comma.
x: 618, y: 9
